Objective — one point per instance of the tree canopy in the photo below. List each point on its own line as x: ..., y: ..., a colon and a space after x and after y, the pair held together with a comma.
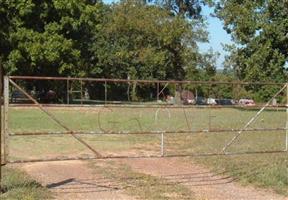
x: 48, y: 37
x: 260, y: 31
x: 144, y: 41
x: 89, y: 38
x: 184, y: 8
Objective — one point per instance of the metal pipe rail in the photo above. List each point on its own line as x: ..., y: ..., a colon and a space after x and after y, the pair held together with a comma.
x: 141, y: 81
x: 139, y: 157
x: 144, y: 132
x: 141, y: 105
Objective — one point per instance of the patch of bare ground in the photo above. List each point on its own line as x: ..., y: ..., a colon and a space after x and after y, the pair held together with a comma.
x: 202, y: 182
x: 74, y: 180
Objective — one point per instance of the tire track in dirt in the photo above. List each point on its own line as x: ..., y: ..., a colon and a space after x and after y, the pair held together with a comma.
x: 74, y: 180
x: 202, y: 182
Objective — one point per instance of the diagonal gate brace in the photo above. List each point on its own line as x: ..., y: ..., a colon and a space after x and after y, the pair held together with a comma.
x: 252, y: 120
x: 54, y: 118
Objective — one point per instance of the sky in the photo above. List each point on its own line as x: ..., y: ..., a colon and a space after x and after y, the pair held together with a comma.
x: 217, y: 35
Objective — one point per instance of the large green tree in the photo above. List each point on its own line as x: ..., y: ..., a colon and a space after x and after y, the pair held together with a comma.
x: 44, y: 37
x: 145, y: 41
x: 260, y: 30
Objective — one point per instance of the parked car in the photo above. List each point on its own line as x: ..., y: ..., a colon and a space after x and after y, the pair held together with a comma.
x: 47, y: 97
x: 200, y: 101
x: 224, y: 102
x: 246, y: 102
x: 211, y: 101
x: 18, y: 97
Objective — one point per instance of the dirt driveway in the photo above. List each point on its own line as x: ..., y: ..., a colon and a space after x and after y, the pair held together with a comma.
x: 76, y: 180
x: 203, y: 183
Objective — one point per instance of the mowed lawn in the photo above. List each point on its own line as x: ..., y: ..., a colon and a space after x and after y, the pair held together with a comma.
x: 265, y: 170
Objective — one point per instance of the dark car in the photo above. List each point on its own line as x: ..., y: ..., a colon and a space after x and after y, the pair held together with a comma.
x: 18, y: 97
x: 200, y: 101
x: 47, y: 97
x: 224, y: 102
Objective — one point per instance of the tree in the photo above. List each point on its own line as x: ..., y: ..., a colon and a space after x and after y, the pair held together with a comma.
x: 185, y: 8
x: 142, y: 41
x: 259, y: 29
x: 145, y: 41
x: 48, y: 37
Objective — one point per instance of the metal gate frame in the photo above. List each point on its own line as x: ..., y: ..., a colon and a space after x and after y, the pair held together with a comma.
x: 5, y: 134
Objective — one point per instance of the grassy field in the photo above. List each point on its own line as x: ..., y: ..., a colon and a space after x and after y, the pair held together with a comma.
x: 264, y: 170
x: 19, y: 186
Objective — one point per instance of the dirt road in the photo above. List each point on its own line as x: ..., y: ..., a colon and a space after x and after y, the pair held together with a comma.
x: 204, y: 183
x: 76, y: 180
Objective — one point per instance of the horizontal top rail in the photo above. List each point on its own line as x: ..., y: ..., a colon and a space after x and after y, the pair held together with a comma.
x: 141, y: 81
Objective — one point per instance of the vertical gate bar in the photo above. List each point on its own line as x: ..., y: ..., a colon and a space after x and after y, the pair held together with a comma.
x: 209, y: 107
x: 81, y: 91
x: 162, y: 144
x: 67, y: 90
x: 6, y: 129
x: 209, y: 122
x: 1, y: 124
x: 2, y: 127
x: 157, y: 91
x: 286, y: 148
x: 1, y: 134
x: 105, y: 92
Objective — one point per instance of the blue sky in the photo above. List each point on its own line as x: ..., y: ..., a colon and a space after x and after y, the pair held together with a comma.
x: 217, y: 35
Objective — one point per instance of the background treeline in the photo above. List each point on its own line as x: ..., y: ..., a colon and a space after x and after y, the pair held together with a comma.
x: 135, y: 39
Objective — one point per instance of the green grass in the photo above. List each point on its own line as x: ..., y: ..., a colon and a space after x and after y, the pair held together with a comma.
x: 125, y: 119
x: 18, y: 185
x: 139, y: 185
x: 263, y: 170
x: 267, y: 170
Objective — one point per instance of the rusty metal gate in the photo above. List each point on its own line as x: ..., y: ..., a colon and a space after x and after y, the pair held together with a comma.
x: 6, y: 133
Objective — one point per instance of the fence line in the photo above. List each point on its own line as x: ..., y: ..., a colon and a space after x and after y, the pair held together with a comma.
x: 142, y: 81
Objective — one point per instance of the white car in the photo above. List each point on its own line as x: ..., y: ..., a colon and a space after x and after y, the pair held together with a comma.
x: 211, y: 101
x: 246, y: 102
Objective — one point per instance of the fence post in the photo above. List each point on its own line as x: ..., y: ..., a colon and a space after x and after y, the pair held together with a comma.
x: 6, y: 129
x: 286, y: 143
x: 1, y: 121
x: 162, y: 144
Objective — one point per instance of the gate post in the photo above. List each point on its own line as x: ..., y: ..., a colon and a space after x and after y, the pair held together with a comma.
x: 1, y: 121
x: 5, y: 118
x: 286, y: 140
x: 162, y: 145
